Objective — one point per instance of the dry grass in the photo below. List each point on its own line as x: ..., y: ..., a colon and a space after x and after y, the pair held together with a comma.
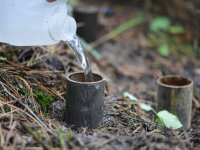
x: 25, y: 125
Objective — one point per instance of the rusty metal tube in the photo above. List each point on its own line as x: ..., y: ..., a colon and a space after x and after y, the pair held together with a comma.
x: 84, y: 101
x: 175, y: 94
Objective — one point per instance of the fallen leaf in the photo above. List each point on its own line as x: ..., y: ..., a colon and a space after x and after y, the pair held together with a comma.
x: 168, y: 120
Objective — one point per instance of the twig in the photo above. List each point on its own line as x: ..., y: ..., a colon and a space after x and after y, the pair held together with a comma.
x: 62, y: 140
x: 122, y: 28
x: 8, y: 113
x: 90, y: 49
x: 10, y: 132
x: 22, y: 112
x: 106, y: 142
x: 2, y: 138
x: 30, y: 111
x: 29, y: 130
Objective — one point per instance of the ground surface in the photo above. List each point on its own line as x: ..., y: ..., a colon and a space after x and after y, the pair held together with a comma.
x: 32, y: 86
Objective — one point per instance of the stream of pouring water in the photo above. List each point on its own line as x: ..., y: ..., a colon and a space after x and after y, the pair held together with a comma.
x: 82, y: 58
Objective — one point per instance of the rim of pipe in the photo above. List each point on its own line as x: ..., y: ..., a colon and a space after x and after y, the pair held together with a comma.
x: 84, y: 82
x: 189, y: 81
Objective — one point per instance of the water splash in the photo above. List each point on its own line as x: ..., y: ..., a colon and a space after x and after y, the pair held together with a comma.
x: 82, y: 58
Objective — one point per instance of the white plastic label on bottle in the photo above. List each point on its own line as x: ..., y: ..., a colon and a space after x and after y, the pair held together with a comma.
x: 29, y: 23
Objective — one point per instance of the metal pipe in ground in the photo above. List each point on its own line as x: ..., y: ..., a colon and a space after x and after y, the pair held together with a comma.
x: 175, y: 94
x: 84, y: 101
x: 88, y: 17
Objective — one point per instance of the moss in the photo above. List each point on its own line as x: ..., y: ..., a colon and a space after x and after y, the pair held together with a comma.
x: 69, y: 135
x: 21, y: 91
x: 6, y: 109
x: 45, y: 100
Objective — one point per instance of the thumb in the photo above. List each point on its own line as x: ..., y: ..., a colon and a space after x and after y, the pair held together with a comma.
x: 51, y: 1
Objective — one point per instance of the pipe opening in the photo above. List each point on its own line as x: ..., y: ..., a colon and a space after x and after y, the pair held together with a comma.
x: 175, y: 81
x: 80, y: 77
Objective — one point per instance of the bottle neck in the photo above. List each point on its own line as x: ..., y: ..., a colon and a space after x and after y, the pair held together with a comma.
x: 62, y: 27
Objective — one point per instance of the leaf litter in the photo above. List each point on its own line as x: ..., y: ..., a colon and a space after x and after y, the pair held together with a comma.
x: 25, y: 125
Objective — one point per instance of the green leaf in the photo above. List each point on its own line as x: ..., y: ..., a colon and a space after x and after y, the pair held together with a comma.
x: 159, y: 121
x: 168, y: 120
x: 3, y: 58
x: 160, y: 23
x: 176, y: 29
x: 164, y: 50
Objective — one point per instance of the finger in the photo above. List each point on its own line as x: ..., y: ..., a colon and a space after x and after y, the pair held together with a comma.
x: 50, y: 1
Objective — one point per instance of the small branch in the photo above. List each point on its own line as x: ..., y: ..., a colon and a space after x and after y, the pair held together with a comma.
x: 35, y: 137
x: 122, y: 28
x: 26, y: 106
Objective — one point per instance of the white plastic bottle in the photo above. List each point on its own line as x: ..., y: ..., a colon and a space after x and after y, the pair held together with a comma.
x: 35, y: 22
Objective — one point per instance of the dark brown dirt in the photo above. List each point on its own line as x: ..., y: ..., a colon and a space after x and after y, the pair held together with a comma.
x: 143, y: 141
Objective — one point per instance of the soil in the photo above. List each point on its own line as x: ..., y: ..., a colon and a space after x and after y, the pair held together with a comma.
x: 129, y: 64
